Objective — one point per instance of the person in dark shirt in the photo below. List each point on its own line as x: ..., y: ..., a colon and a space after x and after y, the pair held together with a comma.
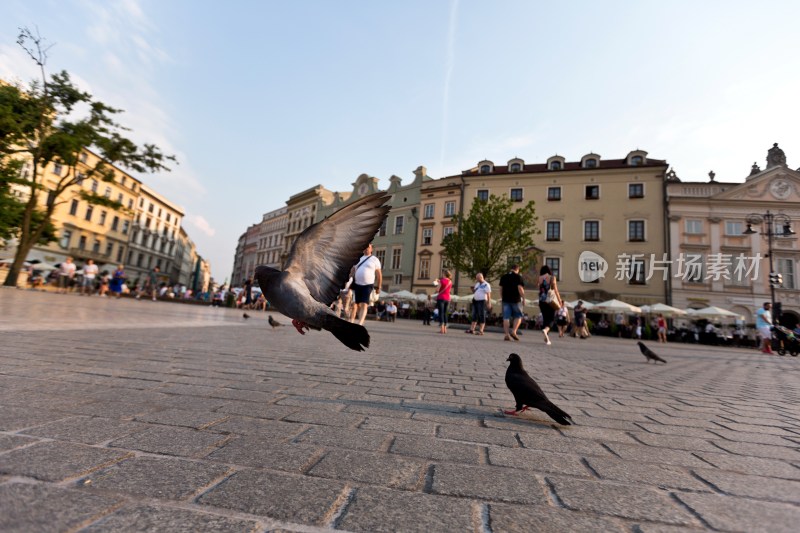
x: 513, y: 291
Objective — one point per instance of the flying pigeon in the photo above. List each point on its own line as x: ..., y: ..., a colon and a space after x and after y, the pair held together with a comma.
x: 245, y: 316
x: 318, y: 266
x: 274, y: 323
x: 650, y: 354
x: 527, y: 393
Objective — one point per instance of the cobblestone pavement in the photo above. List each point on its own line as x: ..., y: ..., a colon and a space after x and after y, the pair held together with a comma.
x: 142, y: 416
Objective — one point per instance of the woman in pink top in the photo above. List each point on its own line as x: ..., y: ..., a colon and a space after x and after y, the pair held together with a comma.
x: 443, y: 299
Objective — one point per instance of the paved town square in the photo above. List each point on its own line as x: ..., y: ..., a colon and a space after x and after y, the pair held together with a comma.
x: 125, y: 415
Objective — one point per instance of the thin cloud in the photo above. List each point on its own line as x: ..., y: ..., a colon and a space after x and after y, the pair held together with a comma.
x: 201, y: 224
x: 449, y: 65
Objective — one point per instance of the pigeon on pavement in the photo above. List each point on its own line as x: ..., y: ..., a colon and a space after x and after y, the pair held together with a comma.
x: 318, y: 266
x: 245, y: 316
x: 274, y: 323
x: 527, y: 393
x: 650, y: 354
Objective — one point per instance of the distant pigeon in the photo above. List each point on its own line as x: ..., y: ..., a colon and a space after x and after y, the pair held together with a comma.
x: 527, y: 393
x: 318, y: 267
x: 245, y: 315
x: 650, y: 354
x: 274, y: 323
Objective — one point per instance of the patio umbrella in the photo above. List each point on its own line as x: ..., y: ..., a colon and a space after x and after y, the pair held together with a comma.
x: 616, y: 306
x: 666, y: 310
x: 403, y: 295
x: 712, y: 313
x: 587, y: 305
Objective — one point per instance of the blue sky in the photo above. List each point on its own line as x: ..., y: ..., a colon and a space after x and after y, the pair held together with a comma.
x: 262, y: 99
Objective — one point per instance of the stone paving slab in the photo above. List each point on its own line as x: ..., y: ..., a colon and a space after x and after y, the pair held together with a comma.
x: 141, y: 415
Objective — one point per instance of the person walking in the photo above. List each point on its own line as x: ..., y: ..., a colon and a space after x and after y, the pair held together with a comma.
x: 427, y: 311
x: 89, y: 275
x: 547, y: 281
x: 764, y: 327
x: 445, y: 285
x: 580, y: 321
x: 248, y: 293
x: 661, y: 325
x: 512, y: 290
x: 117, y: 280
x: 562, y: 319
x: 365, y: 275
x: 66, y: 271
x: 481, y: 302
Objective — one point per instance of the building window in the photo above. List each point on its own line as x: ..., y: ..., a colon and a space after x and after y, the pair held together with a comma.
x: 159, y: 212
x: 429, y: 210
x: 108, y: 192
x: 591, y: 230
x: 94, y: 186
x: 592, y: 192
x: 73, y: 208
x: 449, y: 209
x: 485, y: 169
x: 636, y: 161
x: 786, y: 269
x: 553, y: 230
x: 424, y: 268
x: 139, y: 259
x: 130, y: 203
x: 399, y: 222
x: 150, y: 208
x: 516, y: 195
x: 141, y: 202
x: 482, y: 194
x: 636, y: 230
x: 734, y: 227
x: 125, y: 225
x: 590, y: 163
x: 398, y: 279
x: 169, y: 217
x: 66, y: 235
x: 120, y: 251
x: 448, y: 230
x: 515, y: 167
x: 115, y: 223
x: 636, y: 190
x: 120, y: 198
x: 103, y: 215
x: 109, y: 248
x: 555, y: 165
x: 96, y: 247
x: 81, y: 176
x: 124, y: 180
x: 554, y: 194
x: 382, y: 229
x: 381, y: 255
x: 694, y: 227
x: 555, y: 266
x: 82, y: 242
x: 396, y: 256
x: 427, y: 236
x: 57, y: 168
x: 89, y: 210
x: 636, y: 272
x: 149, y: 261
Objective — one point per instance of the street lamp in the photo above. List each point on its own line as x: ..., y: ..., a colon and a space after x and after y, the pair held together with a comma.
x: 769, y: 223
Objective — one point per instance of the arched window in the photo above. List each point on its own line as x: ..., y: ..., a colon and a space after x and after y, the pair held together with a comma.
x: 555, y: 165
x: 637, y: 161
x: 515, y: 167
x: 590, y: 163
x: 485, y: 169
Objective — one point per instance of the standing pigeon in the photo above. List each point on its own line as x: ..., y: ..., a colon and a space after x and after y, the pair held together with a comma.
x: 650, y: 354
x: 527, y: 393
x: 274, y: 323
x: 245, y: 316
x: 318, y: 266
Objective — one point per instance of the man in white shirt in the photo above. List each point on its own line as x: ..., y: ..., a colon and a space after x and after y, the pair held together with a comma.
x: 367, y: 273
x: 764, y: 327
x: 66, y: 271
x: 481, y: 302
x: 89, y: 275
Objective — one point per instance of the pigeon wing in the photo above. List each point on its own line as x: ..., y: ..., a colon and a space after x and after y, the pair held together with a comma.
x: 524, y: 388
x: 324, y: 253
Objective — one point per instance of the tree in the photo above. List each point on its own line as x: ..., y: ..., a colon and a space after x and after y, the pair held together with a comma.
x: 39, y: 126
x: 490, y: 236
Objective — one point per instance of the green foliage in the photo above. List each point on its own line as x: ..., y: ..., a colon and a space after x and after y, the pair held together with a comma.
x: 52, y: 121
x: 492, y: 233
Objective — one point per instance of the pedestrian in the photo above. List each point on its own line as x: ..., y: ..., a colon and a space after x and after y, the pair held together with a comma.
x: 391, y: 311
x: 512, y: 290
x: 445, y: 285
x: 481, y: 302
x: 151, y: 284
x: 366, y: 274
x: 427, y: 311
x: 66, y: 271
x: 89, y: 275
x: 248, y: 293
x: 117, y: 280
x: 581, y: 329
x: 764, y: 327
x: 661, y: 324
x: 562, y: 319
x: 620, y: 322
x: 636, y: 327
x: 547, y: 282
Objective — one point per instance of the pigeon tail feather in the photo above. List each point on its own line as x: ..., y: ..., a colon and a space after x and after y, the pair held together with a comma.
x: 354, y: 336
x: 558, y: 414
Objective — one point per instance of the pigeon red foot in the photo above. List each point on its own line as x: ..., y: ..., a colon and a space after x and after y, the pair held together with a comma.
x: 299, y: 326
x: 524, y: 408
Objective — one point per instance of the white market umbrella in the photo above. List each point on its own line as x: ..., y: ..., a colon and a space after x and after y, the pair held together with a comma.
x: 664, y: 309
x: 403, y: 295
x: 421, y: 297
x: 616, y: 306
x: 383, y: 295
x: 712, y: 313
x: 44, y: 266
x: 574, y: 304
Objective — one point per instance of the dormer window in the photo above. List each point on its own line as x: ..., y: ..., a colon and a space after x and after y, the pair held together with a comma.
x: 485, y: 169
x: 515, y: 167
x: 637, y: 158
x: 590, y: 163
x: 555, y: 165
x: 637, y: 161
